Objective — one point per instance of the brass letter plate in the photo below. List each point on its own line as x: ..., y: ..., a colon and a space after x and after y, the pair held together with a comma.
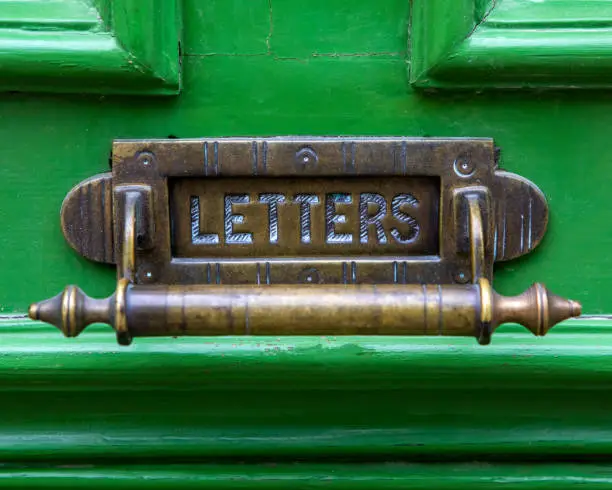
x: 311, y: 210
x: 294, y: 236
x: 304, y: 218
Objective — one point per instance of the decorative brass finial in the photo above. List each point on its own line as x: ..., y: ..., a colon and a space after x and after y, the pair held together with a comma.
x: 536, y: 309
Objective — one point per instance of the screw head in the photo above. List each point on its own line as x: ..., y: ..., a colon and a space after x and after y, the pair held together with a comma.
x: 310, y: 276
x: 463, y: 165
x: 145, y: 275
x: 145, y: 158
x: 306, y: 156
x: 462, y: 277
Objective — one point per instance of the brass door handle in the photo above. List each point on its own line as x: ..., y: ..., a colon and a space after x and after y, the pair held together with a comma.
x: 462, y: 310
x: 472, y: 195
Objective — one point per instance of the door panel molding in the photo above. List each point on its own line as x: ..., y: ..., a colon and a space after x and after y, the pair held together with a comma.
x: 305, y: 476
x: 295, y: 398
x: 116, y: 46
x: 511, y: 44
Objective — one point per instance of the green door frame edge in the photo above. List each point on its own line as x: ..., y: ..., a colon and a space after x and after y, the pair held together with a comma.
x: 134, y: 48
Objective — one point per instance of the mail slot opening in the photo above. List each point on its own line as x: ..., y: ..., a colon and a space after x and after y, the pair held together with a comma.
x: 304, y: 217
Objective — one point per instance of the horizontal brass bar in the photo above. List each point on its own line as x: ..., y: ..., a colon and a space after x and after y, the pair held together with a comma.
x: 413, y: 309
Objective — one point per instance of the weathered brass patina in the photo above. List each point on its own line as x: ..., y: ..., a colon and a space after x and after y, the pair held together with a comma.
x: 286, y: 236
x: 411, y: 309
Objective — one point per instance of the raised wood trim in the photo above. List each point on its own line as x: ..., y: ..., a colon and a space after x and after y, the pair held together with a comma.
x: 132, y: 49
x: 477, y: 44
x: 295, y: 398
x: 305, y: 476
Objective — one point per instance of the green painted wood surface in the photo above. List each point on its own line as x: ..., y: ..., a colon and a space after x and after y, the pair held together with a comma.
x: 370, y: 398
x: 266, y: 67
x: 511, y: 44
x: 100, y: 46
x: 557, y: 140
x: 323, y: 476
x: 66, y: 14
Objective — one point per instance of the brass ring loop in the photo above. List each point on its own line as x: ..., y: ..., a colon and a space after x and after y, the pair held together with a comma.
x: 120, y: 323
x: 129, y: 238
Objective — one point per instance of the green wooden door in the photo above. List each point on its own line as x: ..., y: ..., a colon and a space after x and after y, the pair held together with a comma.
x: 354, y: 412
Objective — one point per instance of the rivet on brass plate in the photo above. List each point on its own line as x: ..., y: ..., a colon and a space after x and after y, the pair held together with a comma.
x: 463, y: 166
x: 315, y: 236
x: 306, y: 156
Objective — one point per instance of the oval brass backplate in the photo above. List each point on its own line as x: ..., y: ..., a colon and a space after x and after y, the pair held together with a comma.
x: 305, y: 210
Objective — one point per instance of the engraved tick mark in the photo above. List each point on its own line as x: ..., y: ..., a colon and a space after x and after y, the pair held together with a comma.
x: 103, y: 218
x: 349, y: 164
x: 522, y: 232
x: 530, y: 224
x: 495, y: 245
x: 216, y: 157
x: 206, y: 158
x: 504, y: 237
x: 255, y: 156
